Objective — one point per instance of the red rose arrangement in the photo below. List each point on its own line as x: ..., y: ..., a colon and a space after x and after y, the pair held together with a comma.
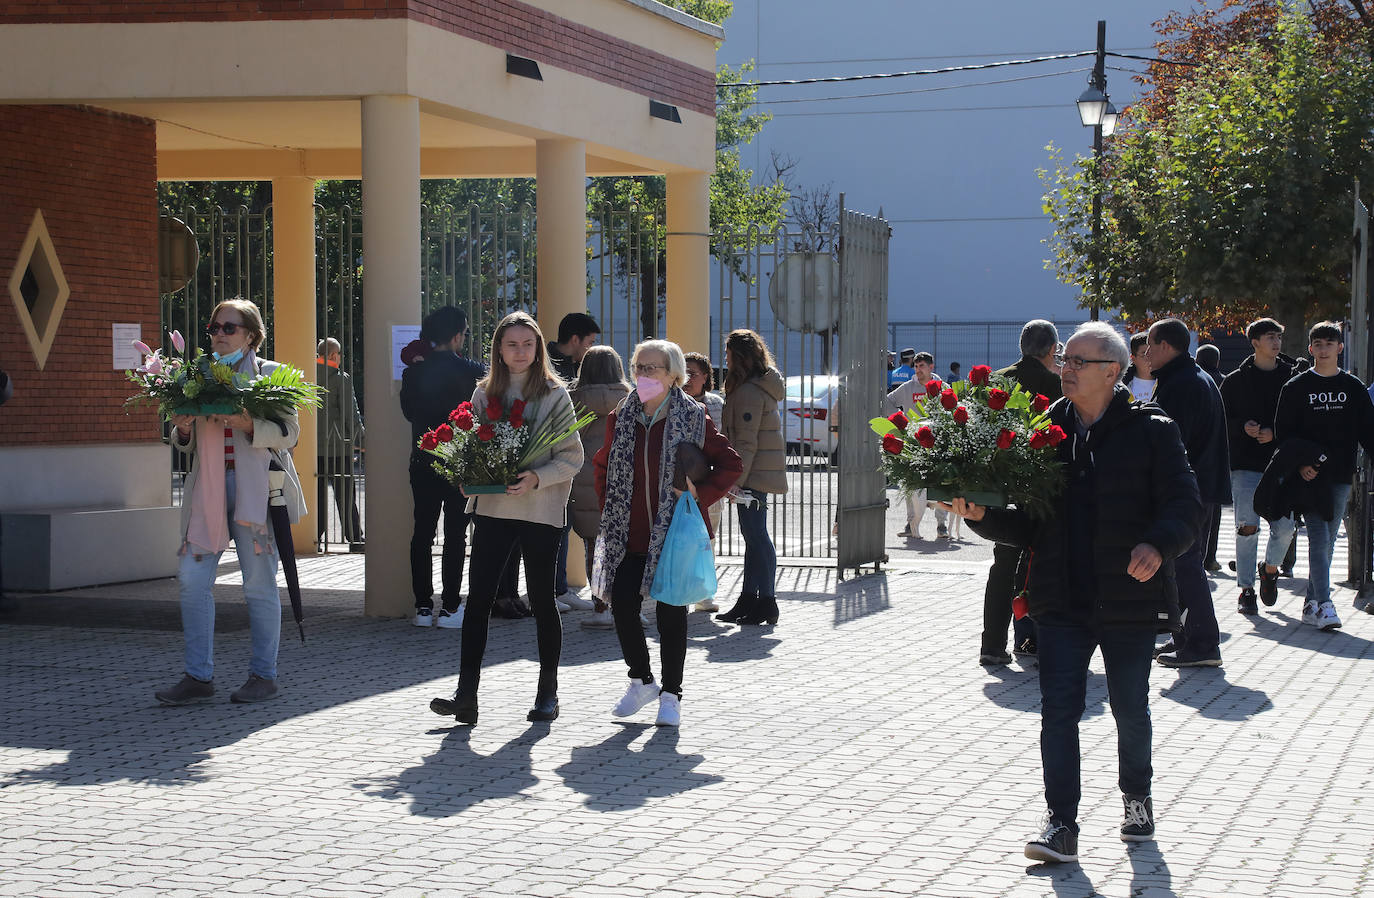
x: 983, y: 438
x: 489, y: 447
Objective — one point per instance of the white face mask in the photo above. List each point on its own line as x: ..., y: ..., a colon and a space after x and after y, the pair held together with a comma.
x: 648, y: 388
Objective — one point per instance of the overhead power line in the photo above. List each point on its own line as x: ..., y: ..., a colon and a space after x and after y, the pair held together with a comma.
x: 924, y: 90
x: 872, y: 59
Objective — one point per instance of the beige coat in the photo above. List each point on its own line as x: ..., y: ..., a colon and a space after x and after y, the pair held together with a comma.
x: 601, y: 400
x: 753, y: 425
x: 548, y: 503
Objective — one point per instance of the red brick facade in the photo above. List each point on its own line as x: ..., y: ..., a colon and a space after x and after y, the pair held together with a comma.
x: 94, y: 175
x: 508, y: 24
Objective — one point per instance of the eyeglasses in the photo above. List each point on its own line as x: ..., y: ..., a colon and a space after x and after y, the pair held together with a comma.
x: 1076, y: 362
x: 695, y: 372
x: 650, y: 370
x: 229, y: 328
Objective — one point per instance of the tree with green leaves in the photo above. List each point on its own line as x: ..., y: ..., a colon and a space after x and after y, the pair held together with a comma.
x: 1233, y: 197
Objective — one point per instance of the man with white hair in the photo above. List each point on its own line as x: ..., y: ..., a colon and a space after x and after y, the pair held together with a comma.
x: 1101, y: 573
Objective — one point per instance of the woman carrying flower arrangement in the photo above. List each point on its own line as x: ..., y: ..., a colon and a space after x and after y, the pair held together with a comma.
x: 635, y: 470
x: 226, y: 496
x: 527, y: 517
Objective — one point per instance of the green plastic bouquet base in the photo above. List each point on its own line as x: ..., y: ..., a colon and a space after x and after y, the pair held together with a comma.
x: 988, y: 498
x: 211, y: 408
x: 484, y: 489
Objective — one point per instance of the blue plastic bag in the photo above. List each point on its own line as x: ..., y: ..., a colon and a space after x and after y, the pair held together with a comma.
x: 686, y: 571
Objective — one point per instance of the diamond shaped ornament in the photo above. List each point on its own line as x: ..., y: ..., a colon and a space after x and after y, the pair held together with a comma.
x: 38, y: 273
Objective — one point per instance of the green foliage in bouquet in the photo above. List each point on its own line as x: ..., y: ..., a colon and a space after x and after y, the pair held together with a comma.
x: 195, y: 384
x: 985, y: 436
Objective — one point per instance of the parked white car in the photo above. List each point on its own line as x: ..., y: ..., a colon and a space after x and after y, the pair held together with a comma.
x: 809, y: 422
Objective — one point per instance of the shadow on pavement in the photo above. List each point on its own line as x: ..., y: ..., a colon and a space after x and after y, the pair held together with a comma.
x: 1279, y: 626
x: 1207, y: 690
x: 455, y: 777
x: 1067, y: 880
x: 1018, y: 689
x: 860, y: 597
x: 615, y: 777
x: 1149, y: 871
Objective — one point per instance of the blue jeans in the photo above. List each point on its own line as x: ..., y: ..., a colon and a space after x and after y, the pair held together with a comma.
x: 1065, y: 650
x: 1321, y: 542
x: 197, y: 576
x: 1199, y: 634
x: 1243, y: 484
x: 760, y: 559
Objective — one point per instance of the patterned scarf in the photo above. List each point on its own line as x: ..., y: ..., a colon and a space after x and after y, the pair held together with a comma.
x: 684, y: 422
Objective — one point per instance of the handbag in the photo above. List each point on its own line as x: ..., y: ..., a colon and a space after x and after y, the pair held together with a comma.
x: 686, y: 571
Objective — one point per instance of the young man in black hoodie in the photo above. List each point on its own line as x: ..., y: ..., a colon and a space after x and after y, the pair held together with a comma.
x: 1328, y: 407
x: 1251, y: 394
x: 430, y: 389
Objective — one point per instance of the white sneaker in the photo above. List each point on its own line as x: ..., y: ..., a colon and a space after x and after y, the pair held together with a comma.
x: 451, y: 621
x: 669, y: 710
x: 576, y: 602
x: 1326, y: 617
x: 563, y: 607
x: 424, y: 617
x: 1310, y: 614
x: 637, y: 696
x: 602, y: 620
x: 707, y: 605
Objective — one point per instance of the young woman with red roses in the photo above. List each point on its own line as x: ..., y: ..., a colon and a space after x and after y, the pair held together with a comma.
x: 527, y: 519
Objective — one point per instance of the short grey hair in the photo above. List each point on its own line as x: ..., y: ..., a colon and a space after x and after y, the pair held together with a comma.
x: 677, y: 362
x: 1038, y: 338
x: 1110, y: 343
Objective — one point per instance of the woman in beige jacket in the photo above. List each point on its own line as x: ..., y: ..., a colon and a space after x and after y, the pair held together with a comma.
x: 527, y: 519
x: 753, y: 425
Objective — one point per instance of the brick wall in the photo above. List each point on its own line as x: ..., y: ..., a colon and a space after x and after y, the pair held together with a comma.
x: 508, y: 24
x: 94, y: 175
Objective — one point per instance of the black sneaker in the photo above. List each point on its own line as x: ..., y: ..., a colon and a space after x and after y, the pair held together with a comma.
x: 1026, y: 648
x: 941, y: 532
x: 1167, y: 648
x: 1058, y: 844
x: 1268, y: 586
x: 1247, y: 604
x: 1140, y: 819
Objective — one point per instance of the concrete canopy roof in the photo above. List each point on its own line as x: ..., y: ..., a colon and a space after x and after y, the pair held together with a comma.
x: 264, y: 99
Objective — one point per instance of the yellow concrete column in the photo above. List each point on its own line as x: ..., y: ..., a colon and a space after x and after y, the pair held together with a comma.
x: 391, y: 297
x: 560, y: 170
x: 688, y: 307
x: 293, y: 290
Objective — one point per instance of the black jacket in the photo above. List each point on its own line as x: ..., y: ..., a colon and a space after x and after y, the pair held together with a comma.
x: 1146, y: 493
x: 1252, y: 394
x: 1282, y: 492
x: 1034, y: 377
x: 432, y: 388
x: 1187, y: 395
x: 1334, y: 412
x: 564, y: 365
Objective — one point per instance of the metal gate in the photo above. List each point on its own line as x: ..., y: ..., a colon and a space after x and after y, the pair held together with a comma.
x: 863, y: 385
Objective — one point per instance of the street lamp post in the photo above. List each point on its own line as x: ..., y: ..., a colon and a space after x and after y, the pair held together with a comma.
x: 1096, y: 111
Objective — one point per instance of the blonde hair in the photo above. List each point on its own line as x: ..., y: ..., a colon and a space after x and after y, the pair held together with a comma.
x: 251, y: 317
x: 540, y: 376
x: 672, y: 353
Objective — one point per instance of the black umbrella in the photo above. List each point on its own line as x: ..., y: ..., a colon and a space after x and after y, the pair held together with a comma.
x: 281, y: 525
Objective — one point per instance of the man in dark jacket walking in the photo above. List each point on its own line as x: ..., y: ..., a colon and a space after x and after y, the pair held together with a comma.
x: 1035, y: 372
x: 1251, y: 395
x: 1189, y: 396
x: 1101, y: 575
x: 430, y: 390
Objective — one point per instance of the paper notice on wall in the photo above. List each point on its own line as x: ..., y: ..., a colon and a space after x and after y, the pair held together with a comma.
x: 126, y: 355
x: 401, y: 337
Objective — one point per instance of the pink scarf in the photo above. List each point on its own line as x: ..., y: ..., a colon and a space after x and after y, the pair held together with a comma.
x: 208, y: 530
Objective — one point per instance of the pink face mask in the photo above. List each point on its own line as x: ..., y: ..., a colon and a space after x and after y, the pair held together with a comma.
x: 648, y: 388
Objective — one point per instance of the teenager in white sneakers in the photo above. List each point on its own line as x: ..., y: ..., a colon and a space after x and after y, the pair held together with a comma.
x: 634, y: 479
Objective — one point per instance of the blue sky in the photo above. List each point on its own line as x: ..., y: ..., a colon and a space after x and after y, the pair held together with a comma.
x: 932, y: 155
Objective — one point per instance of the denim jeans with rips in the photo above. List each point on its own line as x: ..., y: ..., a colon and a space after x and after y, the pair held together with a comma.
x: 1243, y: 485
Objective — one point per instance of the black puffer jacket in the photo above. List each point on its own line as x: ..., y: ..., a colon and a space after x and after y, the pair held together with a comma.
x: 1146, y: 493
x: 1189, y: 396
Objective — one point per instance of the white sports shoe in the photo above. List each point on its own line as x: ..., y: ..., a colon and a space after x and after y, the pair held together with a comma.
x: 602, y: 620
x: 637, y: 696
x: 563, y: 607
x: 1326, y: 617
x: 669, y: 710
x: 424, y: 617
x: 1310, y: 614
x: 576, y: 602
x: 707, y: 605
x: 451, y: 621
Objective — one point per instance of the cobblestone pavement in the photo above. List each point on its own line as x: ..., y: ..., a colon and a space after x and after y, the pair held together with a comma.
x: 855, y: 749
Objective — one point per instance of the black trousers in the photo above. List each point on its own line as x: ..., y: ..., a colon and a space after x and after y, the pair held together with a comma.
x: 997, y: 596
x: 338, y: 473
x: 494, y: 542
x: 672, y: 627
x: 1213, y: 535
x: 433, y: 494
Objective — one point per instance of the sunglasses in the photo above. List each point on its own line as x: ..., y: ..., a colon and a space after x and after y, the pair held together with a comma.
x: 229, y: 328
